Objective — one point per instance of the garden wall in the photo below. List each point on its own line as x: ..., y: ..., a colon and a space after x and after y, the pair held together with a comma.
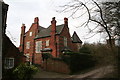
x: 55, y: 66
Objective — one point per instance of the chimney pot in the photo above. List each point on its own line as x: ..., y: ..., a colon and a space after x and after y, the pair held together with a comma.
x: 53, y: 18
x: 36, y: 20
x: 23, y: 24
x: 66, y: 21
x: 53, y: 21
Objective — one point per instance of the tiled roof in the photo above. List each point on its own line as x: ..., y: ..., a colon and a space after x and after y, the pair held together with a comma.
x: 75, y: 38
x: 45, y: 32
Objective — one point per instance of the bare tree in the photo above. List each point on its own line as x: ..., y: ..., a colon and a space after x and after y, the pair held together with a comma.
x: 95, y: 14
x: 111, y: 12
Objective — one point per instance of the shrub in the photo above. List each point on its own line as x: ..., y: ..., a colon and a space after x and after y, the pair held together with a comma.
x: 46, y: 56
x: 25, y: 71
x: 7, y: 75
x: 78, y: 61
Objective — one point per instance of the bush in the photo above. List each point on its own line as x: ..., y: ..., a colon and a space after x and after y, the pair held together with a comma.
x: 102, y: 53
x: 25, y: 71
x: 85, y: 49
x: 46, y: 56
x: 7, y: 75
x: 78, y: 61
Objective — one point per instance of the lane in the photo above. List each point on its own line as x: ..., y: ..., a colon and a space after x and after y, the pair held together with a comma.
x: 96, y: 73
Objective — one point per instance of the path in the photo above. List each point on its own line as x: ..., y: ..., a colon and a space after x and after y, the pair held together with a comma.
x: 97, y: 73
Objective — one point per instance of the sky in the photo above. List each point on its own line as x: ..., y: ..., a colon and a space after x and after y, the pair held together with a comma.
x: 24, y: 11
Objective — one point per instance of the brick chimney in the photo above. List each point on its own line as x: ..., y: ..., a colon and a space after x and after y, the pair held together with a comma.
x: 53, y: 26
x: 36, y: 20
x: 21, y: 47
x: 66, y: 21
x: 53, y: 37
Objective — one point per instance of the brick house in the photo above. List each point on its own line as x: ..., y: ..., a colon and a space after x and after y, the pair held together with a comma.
x: 11, y: 56
x: 55, y: 40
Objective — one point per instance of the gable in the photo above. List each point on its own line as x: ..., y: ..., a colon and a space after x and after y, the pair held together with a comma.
x: 75, y: 38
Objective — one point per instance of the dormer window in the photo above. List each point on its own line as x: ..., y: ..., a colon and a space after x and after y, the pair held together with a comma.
x: 30, y: 34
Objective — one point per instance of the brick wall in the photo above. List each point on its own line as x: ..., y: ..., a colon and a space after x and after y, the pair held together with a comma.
x: 65, y: 33
x: 11, y: 51
x: 56, y: 41
x: 30, y: 38
x: 55, y: 66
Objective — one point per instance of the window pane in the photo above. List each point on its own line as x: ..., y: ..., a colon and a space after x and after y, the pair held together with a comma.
x: 65, y: 41
x: 9, y: 63
x: 30, y: 34
x: 28, y: 45
x: 38, y: 46
x: 47, y: 42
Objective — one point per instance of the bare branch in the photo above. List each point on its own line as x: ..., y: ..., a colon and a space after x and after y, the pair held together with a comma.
x: 91, y: 36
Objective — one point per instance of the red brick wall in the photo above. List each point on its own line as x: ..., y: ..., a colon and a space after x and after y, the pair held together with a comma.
x: 53, y: 37
x: 38, y: 56
x: 28, y: 38
x: 21, y: 48
x: 55, y: 66
x: 56, y: 41
x: 60, y: 40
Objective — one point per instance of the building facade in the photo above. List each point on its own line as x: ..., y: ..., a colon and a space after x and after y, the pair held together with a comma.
x: 11, y: 56
x: 55, y: 40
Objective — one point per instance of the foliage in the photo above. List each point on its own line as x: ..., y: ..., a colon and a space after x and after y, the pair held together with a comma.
x: 7, y: 75
x: 85, y: 49
x: 78, y: 61
x: 102, y: 53
x: 25, y: 71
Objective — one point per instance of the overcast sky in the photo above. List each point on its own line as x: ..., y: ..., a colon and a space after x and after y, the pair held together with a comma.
x: 24, y: 11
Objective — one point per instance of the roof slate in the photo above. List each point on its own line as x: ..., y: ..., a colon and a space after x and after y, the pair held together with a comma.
x: 45, y: 32
x: 75, y: 38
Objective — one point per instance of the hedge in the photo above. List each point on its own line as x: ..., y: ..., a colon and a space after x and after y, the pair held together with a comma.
x: 78, y: 61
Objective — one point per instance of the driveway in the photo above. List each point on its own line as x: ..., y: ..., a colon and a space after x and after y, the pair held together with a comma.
x: 96, y: 73
x: 46, y: 74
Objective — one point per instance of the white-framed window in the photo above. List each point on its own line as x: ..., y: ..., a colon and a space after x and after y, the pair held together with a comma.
x: 65, y: 41
x: 30, y: 34
x: 27, y: 57
x: 28, y: 45
x: 9, y: 63
x: 38, y: 46
x: 47, y: 42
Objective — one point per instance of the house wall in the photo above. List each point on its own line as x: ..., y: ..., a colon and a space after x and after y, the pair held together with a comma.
x: 38, y: 56
x: 11, y: 51
x: 28, y: 38
x: 65, y: 33
x: 56, y: 41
